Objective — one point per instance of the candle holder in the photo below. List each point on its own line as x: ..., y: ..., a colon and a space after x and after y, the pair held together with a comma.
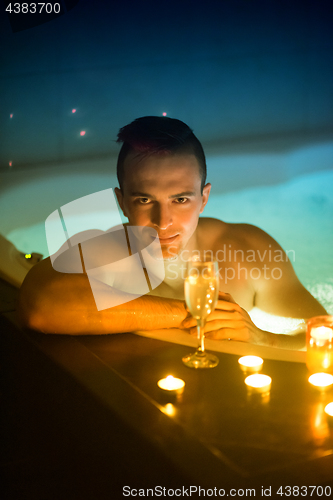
x: 171, y: 388
x: 250, y: 364
x: 319, y: 344
x: 258, y: 384
x: 321, y: 381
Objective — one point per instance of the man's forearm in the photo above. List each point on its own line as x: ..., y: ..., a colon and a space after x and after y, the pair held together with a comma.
x: 66, y: 306
x: 294, y: 340
x: 143, y: 313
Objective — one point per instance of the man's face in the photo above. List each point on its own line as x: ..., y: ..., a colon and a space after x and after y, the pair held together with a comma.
x: 164, y: 192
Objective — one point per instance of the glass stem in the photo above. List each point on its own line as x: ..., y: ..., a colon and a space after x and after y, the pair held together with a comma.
x: 201, y: 335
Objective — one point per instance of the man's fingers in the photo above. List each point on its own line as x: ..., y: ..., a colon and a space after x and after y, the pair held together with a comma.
x: 224, y: 315
x: 226, y: 305
x: 225, y: 311
x: 222, y: 334
x: 226, y: 296
x: 225, y: 302
x: 225, y: 334
x: 219, y: 324
x: 216, y: 329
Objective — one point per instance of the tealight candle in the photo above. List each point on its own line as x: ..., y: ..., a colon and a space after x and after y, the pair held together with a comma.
x: 250, y: 363
x: 171, y: 385
x: 321, y: 380
x: 258, y: 383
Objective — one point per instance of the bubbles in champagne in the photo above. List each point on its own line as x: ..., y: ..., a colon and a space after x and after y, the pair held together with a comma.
x: 201, y: 295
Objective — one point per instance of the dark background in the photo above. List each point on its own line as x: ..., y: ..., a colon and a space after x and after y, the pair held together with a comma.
x: 244, y: 74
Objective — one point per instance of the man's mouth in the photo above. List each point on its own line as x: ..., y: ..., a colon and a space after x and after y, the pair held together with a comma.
x: 169, y: 239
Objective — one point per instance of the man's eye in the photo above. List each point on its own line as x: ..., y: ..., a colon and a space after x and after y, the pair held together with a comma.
x: 181, y: 200
x: 143, y: 201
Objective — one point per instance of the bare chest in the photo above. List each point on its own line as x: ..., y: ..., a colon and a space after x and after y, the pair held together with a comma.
x: 229, y: 282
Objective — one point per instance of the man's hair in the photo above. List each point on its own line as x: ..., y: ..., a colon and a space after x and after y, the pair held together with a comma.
x: 151, y: 135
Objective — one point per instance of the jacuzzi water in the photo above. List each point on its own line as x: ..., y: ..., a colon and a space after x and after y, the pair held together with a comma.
x: 298, y: 214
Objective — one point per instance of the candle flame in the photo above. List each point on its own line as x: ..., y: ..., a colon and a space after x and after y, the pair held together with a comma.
x: 258, y: 381
x: 250, y: 361
x: 321, y: 379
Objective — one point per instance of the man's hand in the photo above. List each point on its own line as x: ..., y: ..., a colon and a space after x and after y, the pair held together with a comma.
x: 229, y: 321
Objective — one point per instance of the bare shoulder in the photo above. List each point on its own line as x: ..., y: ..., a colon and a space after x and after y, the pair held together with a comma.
x: 240, y: 235
x: 254, y: 236
x: 211, y: 228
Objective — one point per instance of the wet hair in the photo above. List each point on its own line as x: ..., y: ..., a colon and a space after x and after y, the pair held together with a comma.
x: 159, y: 135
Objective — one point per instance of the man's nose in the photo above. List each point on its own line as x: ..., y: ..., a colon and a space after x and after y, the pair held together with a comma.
x: 162, y: 217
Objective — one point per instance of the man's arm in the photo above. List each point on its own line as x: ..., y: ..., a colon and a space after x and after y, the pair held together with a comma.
x: 230, y: 321
x: 282, y: 295
x: 54, y: 302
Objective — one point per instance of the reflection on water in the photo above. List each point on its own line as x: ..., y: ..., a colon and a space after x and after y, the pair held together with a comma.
x: 319, y: 425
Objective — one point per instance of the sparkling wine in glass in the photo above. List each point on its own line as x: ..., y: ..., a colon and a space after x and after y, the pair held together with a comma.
x: 201, y: 293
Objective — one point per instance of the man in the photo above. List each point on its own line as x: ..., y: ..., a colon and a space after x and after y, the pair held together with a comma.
x: 162, y: 185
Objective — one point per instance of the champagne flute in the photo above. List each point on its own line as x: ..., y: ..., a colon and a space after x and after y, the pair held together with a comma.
x: 201, y: 293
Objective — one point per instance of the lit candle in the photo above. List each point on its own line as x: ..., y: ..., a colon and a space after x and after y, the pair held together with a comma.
x: 321, y: 334
x: 171, y: 385
x: 319, y: 344
x: 251, y: 364
x: 321, y: 380
x: 258, y: 383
